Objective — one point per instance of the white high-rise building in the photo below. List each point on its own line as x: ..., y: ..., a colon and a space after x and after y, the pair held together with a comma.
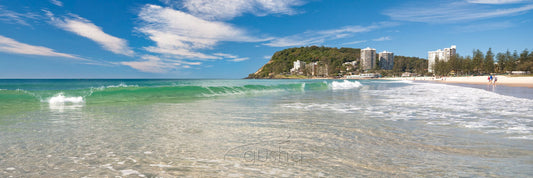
x: 368, y: 58
x: 297, y: 66
x: 386, y: 60
x: 442, y: 55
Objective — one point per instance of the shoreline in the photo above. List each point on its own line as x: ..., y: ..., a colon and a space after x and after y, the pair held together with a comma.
x: 474, y: 80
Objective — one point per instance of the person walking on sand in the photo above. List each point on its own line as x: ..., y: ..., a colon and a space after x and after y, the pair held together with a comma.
x: 494, y: 80
x: 490, y: 79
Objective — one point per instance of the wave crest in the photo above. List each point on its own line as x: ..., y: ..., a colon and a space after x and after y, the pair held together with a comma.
x: 60, y: 98
x: 345, y: 85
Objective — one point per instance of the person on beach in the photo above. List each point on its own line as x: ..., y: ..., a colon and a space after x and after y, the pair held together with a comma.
x: 490, y: 79
x: 494, y: 80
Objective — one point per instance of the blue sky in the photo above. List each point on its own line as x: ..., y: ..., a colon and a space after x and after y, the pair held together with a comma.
x: 232, y: 38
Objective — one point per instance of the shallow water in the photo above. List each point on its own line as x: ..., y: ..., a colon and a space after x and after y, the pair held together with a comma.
x: 249, y: 128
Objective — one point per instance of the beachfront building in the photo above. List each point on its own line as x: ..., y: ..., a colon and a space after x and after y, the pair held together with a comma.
x: 352, y: 63
x: 386, y: 60
x: 442, y: 55
x: 297, y: 67
x: 350, y: 66
x: 368, y: 58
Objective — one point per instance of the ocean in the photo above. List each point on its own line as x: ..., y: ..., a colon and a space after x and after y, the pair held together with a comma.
x: 263, y: 128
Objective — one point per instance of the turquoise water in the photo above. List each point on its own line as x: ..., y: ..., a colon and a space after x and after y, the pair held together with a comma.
x: 243, y: 128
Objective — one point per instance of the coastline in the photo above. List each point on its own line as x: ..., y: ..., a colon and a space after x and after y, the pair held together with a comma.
x: 475, y: 80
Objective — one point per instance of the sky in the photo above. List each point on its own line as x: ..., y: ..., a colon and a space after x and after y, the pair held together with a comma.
x: 233, y: 38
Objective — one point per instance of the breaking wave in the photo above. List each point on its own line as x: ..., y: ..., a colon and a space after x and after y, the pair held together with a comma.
x: 127, y: 93
x: 345, y: 85
x: 60, y: 98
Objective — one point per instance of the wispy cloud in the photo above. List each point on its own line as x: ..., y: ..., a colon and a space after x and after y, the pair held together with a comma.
x: 239, y: 59
x: 225, y: 55
x: 8, y: 16
x: 152, y: 64
x: 317, y: 37
x: 229, y: 9
x: 156, y: 64
x: 477, y: 27
x: 496, y: 1
x: 184, y: 37
x: 87, y: 29
x: 385, y: 38
x: 296, y: 40
x: 354, y: 42
x: 57, y: 3
x: 9, y: 45
x: 452, y: 12
x: 232, y: 57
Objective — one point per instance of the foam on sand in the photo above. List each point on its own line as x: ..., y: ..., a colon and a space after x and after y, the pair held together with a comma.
x: 128, y: 172
x: 438, y: 104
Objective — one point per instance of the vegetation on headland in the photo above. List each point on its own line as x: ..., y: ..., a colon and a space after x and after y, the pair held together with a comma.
x: 480, y: 63
x: 333, y: 59
x: 282, y: 61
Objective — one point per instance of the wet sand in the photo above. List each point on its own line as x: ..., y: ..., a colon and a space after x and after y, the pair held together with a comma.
x: 477, y: 80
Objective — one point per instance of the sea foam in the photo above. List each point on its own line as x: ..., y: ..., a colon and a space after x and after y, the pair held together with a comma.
x: 121, y: 85
x: 345, y: 85
x: 437, y: 104
x: 60, y: 98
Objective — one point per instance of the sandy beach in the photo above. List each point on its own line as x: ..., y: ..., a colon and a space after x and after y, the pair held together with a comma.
x: 479, y: 80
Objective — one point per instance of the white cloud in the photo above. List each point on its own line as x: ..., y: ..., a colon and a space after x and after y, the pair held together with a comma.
x: 495, y: 1
x: 85, y: 28
x: 9, y: 16
x: 267, y: 57
x: 239, y: 59
x: 229, y: 9
x: 317, y: 37
x: 484, y: 26
x: 152, y: 64
x: 354, y: 42
x: 181, y: 35
x: 231, y: 57
x: 451, y: 12
x: 226, y: 55
x: 296, y: 40
x: 191, y: 63
x: 12, y: 46
x: 155, y: 64
x: 385, y: 38
x: 57, y: 3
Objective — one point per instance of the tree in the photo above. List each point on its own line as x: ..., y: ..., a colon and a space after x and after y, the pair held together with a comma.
x: 454, y: 63
x: 477, y: 60
x: 502, y: 62
x: 529, y: 61
x: 511, y: 61
x: 467, y: 65
x: 509, y: 64
x: 441, y: 67
x: 523, y: 62
x: 489, y: 62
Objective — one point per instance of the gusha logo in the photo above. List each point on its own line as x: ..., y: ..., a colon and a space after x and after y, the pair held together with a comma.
x: 266, y: 152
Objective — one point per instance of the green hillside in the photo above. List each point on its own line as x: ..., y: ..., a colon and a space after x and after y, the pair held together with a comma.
x: 332, y: 59
x: 282, y: 61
